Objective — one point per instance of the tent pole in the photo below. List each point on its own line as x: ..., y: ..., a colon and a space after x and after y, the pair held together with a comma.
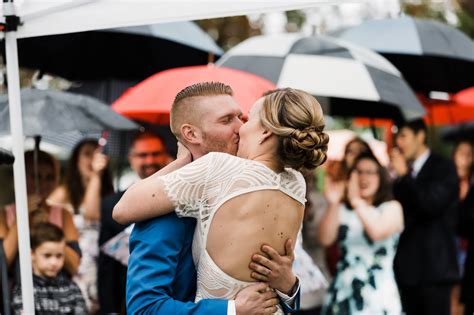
x: 16, y: 126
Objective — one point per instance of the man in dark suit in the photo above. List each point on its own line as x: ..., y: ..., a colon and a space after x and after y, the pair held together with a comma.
x: 147, y: 155
x: 466, y: 224
x: 427, y: 186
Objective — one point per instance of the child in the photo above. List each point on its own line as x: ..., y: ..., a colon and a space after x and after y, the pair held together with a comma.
x: 54, y: 292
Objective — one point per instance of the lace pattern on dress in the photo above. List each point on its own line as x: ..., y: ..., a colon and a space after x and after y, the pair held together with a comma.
x: 200, y: 188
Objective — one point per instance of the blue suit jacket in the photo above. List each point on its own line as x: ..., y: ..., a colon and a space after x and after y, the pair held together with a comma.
x: 161, y: 277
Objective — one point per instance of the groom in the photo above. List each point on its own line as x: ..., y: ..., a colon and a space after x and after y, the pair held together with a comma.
x: 161, y: 275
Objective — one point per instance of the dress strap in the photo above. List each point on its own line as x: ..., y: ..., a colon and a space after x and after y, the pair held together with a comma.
x: 10, y: 213
x: 56, y: 215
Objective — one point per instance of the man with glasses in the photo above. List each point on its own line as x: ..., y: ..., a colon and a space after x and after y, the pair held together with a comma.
x: 147, y: 155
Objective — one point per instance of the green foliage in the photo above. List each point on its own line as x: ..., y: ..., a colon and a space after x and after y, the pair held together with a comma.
x: 466, y: 22
x: 423, y: 9
x: 431, y: 10
x: 340, y: 123
x: 295, y: 19
x: 229, y: 31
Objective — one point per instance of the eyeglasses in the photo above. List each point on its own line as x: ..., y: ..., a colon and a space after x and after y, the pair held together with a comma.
x: 144, y: 155
x: 366, y: 172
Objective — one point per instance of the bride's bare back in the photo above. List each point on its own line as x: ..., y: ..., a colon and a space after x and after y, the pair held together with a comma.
x: 244, y: 223
x: 239, y: 205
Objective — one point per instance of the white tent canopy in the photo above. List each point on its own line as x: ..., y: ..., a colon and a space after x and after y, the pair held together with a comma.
x: 48, y: 17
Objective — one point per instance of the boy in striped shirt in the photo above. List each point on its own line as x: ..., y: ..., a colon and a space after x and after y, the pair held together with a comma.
x: 54, y: 292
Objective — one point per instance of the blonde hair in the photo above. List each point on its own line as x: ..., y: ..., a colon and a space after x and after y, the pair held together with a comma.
x: 297, y: 118
x: 181, y: 110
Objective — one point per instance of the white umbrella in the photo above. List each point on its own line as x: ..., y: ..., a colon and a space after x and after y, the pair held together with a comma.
x: 347, y: 79
x: 28, y: 18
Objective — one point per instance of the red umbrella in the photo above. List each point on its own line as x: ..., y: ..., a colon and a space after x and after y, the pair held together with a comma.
x: 151, y: 99
x: 465, y: 97
x: 459, y: 109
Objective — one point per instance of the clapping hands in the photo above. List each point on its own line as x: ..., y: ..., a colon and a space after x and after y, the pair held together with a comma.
x: 353, y: 191
x: 334, y: 190
x: 35, y: 202
x: 37, y: 209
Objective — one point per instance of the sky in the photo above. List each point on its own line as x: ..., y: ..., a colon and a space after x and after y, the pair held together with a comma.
x: 325, y: 17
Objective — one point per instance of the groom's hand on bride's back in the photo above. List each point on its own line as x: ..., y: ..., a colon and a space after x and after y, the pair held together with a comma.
x: 275, y: 269
x: 256, y: 300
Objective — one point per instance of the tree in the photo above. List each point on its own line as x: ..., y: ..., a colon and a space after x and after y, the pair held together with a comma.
x: 465, y: 15
x: 464, y: 10
x: 423, y: 9
x: 468, y: 6
x: 229, y: 31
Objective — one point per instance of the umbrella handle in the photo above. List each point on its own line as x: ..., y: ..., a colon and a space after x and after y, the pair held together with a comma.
x: 35, y: 162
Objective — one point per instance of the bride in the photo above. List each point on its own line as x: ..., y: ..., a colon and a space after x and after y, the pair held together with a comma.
x: 240, y: 201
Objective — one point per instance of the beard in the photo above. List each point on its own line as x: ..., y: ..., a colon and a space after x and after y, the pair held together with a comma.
x: 213, y: 143
x: 148, y: 170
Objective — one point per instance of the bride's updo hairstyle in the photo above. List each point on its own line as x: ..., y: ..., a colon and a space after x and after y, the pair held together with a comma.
x: 297, y: 118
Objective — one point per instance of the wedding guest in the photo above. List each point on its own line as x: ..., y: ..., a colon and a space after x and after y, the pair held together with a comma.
x: 87, y: 180
x: 367, y: 221
x: 54, y: 293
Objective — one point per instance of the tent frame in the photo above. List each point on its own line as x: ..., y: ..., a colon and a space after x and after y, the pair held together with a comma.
x: 12, y: 21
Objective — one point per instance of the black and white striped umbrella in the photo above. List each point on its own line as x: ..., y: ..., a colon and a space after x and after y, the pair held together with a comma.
x: 432, y: 56
x: 348, y: 80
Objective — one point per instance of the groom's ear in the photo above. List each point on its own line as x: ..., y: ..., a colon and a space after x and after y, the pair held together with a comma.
x: 190, y: 134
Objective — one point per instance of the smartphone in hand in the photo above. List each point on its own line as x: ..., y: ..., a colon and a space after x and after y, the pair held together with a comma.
x: 103, y: 143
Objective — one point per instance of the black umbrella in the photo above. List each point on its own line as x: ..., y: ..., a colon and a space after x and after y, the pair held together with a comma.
x: 131, y: 53
x: 6, y: 157
x: 105, y: 63
x: 47, y: 112
x: 459, y: 132
x: 55, y: 112
x: 432, y: 56
x: 347, y: 79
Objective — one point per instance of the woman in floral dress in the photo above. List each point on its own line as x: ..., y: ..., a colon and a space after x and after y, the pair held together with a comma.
x: 367, y: 222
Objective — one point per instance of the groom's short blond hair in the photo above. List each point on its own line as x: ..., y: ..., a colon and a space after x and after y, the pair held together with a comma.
x: 186, y: 109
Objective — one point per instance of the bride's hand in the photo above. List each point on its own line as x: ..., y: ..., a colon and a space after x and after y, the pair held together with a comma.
x: 256, y: 299
x: 184, y: 155
x: 275, y: 270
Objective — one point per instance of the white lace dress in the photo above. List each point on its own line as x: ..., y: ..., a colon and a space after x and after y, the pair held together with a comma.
x: 200, y: 188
